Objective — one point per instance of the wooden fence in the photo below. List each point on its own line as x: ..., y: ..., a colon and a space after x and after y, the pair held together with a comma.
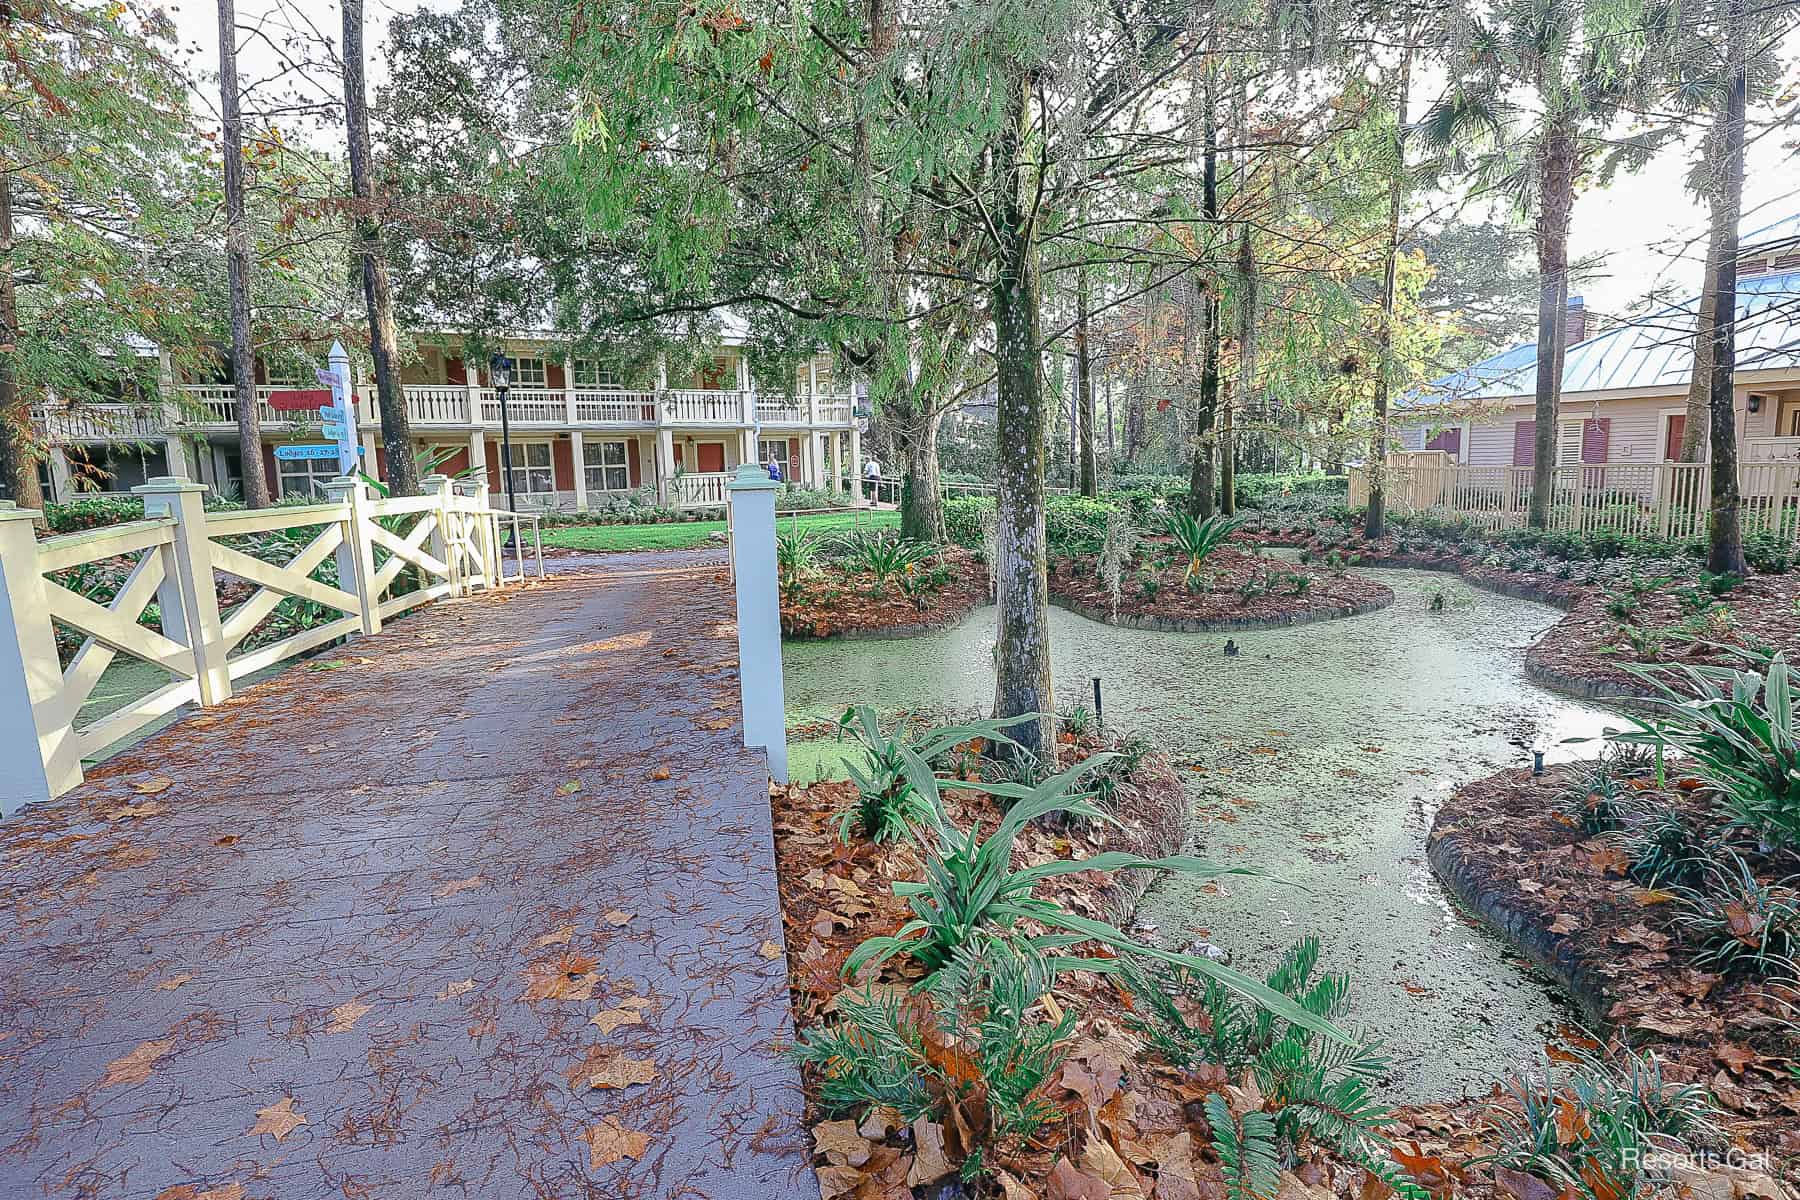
x: 1669, y: 500
x: 390, y: 555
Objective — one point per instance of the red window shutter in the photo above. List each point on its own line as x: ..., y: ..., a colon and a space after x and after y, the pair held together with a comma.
x: 1525, y: 444
x: 1596, y: 435
x: 1449, y: 441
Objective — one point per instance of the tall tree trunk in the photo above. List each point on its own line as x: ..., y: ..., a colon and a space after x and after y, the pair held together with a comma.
x: 921, y: 495
x: 1375, y: 520
x: 237, y: 266
x: 1112, y: 450
x: 18, y: 457
x: 1699, y: 397
x: 396, y: 429
x: 1556, y: 199
x: 1022, y: 648
x: 1084, y: 388
x: 1227, y: 453
x: 1202, y: 487
x: 1725, y: 543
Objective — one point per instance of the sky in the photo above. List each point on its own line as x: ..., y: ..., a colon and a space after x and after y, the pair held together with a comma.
x: 1646, y: 229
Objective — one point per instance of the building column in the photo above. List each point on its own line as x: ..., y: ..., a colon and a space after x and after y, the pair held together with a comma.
x: 61, y: 477
x: 856, y: 486
x: 477, y: 456
x: 175, y: 451
x: 569, y: 388
x: 746, y: 448
x: 575, y: 456
x: 371, y: 464
x: 665, y: 465
x: 837, y: 460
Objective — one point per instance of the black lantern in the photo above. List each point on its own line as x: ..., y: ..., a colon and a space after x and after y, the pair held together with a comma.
x: 500, y: 372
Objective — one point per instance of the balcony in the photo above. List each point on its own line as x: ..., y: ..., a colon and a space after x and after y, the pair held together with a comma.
x: 1775, y: 449
x: 454, y: 406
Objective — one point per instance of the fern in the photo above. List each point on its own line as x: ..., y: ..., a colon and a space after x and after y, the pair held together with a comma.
x: 1246, y: 1149
x: 874, y: 1057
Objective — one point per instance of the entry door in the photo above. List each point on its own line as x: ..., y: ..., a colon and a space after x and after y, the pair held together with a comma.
x: 1674, y: 429
x: 711, y: 456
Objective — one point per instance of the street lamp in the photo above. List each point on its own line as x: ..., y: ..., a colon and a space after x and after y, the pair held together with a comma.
x: 500, y: 371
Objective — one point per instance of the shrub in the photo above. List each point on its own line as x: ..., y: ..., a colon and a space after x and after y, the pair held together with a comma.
x: 1769, y: 553
x: 1075, y: 524
x: 884, y: 1051
x: 1198, y: 539
x: 1587, y: 1130
x: 795, y: 550
x: 1739, y: 727
x: 973, y: 896
x: 793, y: 498
x: 1663, y: 849
x: 1594, y: 799
x: 964, y: 517
x: 887, y: 805
x: 92, y: 512
x: 884, y: 555
x: 1740, y: 925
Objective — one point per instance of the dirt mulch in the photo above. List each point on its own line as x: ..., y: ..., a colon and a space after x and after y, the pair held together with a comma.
x: 832, y: 602
x: 1589, y: 645
x: 1507, y: 848
x: 1076, y: 584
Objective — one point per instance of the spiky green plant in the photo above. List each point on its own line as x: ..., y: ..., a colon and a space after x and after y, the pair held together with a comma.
x: 1738, y: 924
x: 795, y: 552
x: 1587, y: 1129
x: 885, y: 556
x: 1739, y: 727
x: 1593, y: 797
x: 887, y: 805
x: 1197, y: 539
x: 1248, y: 1154
x: 972, y: 894
x: 1664, y: 850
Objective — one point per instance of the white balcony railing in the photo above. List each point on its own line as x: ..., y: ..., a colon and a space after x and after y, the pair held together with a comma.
x: 1775, y: 449
x: 701, y: 489
x: 439, y: 406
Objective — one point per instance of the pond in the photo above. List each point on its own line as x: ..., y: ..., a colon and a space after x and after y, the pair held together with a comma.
x: 1319, y: 754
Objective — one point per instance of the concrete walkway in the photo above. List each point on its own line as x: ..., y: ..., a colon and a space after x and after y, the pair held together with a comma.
x: 481, y: 907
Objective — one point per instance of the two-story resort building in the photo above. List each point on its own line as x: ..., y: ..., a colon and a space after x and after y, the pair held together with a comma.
x: 581, y: 438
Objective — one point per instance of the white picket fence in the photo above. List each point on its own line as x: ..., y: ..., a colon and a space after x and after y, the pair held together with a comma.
x: 1669, y: 500
x: 177, y: 554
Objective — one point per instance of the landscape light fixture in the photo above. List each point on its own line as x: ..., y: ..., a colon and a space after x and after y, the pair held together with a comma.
x: 500, y: 372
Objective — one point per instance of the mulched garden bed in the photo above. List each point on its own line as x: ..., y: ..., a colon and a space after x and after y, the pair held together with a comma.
x: 1510, y: 850
x: 831, y: 602
x: 1241, y: 591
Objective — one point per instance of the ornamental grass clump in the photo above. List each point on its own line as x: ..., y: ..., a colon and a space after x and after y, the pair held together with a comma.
x: 1740, y: 925
x: 887, y: 805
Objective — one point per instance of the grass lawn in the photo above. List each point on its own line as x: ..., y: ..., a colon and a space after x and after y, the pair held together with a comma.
x: 685, y: 534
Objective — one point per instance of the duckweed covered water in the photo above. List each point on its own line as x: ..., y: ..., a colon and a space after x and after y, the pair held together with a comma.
x: 1317, y: 753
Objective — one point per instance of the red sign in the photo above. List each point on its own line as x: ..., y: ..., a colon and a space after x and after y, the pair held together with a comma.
x: 299, y: 400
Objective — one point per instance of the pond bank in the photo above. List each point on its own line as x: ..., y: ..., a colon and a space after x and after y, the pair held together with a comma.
x: 1319, y: 754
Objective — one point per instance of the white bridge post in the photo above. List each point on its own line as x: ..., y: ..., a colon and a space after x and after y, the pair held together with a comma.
x: 760, y: 689
x: 35, y: 762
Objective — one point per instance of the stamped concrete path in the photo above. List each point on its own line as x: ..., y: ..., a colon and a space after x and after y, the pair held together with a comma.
x: 481, y: 907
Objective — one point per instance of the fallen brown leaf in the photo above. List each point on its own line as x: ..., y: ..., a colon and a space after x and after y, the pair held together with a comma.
x: 136, y: 1066
x: 609, y: 1019
x: 609, y: 1141
x: 345, y: 1016
x: 278, y: 1119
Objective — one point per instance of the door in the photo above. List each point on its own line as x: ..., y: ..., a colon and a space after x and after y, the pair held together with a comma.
x: 1674, y: 429
x: 711, y: 456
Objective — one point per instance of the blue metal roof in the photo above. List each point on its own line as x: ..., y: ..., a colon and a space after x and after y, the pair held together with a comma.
x: 1654, y: 350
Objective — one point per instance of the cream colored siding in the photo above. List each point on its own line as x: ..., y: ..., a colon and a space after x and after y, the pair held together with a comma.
x: 1491, y: 443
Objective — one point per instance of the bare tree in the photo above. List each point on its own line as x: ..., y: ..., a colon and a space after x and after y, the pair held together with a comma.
x: 237, y: 264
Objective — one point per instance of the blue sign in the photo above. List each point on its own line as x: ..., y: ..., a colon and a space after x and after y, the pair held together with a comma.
x: 332, y: 430
x: 291, y: 453
x: 332, y: 412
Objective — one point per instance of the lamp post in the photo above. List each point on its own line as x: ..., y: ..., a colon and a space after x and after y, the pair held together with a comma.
x: 500, y: 369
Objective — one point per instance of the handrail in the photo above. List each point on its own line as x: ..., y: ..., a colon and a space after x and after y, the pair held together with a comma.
x: 537, y: 535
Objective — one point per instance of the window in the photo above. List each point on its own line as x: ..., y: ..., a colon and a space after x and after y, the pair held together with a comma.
x: 528, y: 371
x: 531, y: 470
x: 775, y: 450
x: 305, y: 476
x: 589, y: 374
x: 285, y: 374
x: 604, y: 465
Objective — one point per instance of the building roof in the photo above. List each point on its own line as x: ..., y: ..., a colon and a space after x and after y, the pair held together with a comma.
x: 1655, y: 350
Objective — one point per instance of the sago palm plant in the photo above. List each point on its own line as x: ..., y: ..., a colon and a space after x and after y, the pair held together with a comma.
x: 1198, y: 539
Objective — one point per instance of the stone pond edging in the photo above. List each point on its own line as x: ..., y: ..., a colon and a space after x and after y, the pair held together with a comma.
x: 1158, y: 624
x: 1552, y: 953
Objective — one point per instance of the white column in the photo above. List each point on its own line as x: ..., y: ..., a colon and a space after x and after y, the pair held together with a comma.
x: 575, y: 454
x: 761, y: 691
x: 665, y: 465
x: 856, y: 484
x: 37, y: 758
x: 175, y: 451
x: 189, y: 603
x: 569, y: 391
x: 371, y: 441
x: 472, y: 381
x: 836, y: 450
x: 477, y: 455
x: 62, y: 480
